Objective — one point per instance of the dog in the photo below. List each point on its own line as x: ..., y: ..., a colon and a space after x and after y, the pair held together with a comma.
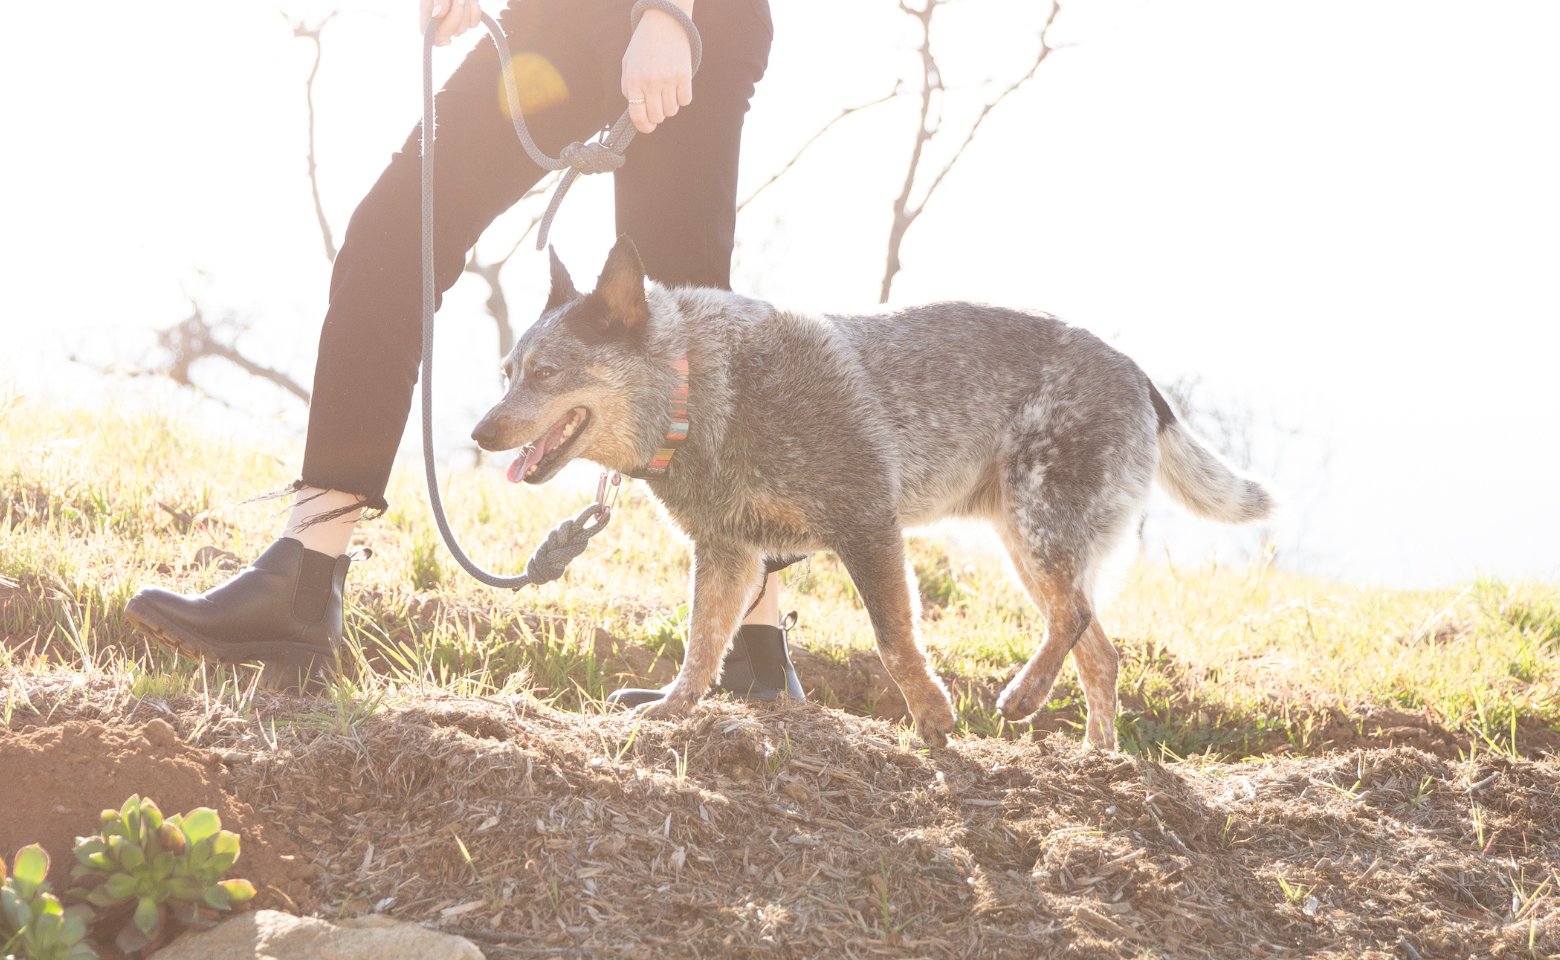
x: 808, y: 433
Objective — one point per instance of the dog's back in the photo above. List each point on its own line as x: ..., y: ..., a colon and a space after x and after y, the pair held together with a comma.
x: 928, y: 394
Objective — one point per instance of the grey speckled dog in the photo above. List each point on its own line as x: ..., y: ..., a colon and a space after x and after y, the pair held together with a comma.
x: 836, y: 433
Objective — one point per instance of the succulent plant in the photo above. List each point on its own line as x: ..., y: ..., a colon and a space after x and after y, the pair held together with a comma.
x: 33, y: 923
x: 165, y: 867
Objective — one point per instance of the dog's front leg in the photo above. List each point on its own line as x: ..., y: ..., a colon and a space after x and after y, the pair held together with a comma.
x: 876, y: 563
x: 725, y: 578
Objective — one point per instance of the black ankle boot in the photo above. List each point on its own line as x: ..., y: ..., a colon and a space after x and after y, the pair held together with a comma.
x: 284, y: 609
x: 757, y: 667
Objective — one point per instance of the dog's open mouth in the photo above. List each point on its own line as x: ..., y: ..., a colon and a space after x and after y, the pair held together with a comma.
x: 536, y: 460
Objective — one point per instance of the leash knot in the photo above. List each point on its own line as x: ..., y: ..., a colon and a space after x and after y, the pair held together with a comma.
x: 592, y: 157
x: 563, y: 543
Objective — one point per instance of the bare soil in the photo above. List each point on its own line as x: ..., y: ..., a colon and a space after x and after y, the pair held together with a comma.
x: 802, y: 831
x: 59, y: 777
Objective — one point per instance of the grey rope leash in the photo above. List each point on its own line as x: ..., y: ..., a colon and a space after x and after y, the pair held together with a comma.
x: 568, y: 539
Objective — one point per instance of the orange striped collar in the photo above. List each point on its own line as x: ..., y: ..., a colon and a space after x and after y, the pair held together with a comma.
x: 658, y: 465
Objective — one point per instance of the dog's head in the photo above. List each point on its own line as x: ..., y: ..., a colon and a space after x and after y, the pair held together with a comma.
x: 574, y: 377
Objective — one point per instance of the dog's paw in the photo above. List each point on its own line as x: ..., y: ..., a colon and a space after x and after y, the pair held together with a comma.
x: 666, y: 708
x: 934, y: 718
x: 1101, y: 734
x: 1020, y: 701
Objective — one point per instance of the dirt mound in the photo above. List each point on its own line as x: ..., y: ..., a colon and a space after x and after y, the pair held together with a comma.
x: 799, y: 831
x: 58, y: 779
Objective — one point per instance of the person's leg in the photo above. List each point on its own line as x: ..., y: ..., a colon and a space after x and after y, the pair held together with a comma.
x: 371, y: 341
x: 287, y: 605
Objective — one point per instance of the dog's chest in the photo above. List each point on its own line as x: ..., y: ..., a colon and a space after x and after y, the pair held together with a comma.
x: 751, y: 513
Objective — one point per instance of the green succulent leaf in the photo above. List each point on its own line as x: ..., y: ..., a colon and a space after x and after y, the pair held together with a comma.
x: 131, y: 856
x: 185, y: 888
x: 15, y: 908
x: 217, y: 897
x: 171, y: 837
x: 217, y: 865
x: 32, y: 865
x: 102, y: 898
x: 239, y: 891
x: 47, y: 928
x: 130, y: 815
x: 119, y: 886
x: 200, y: 823
x: 151, y: 817
x: 198, y: 854
x: 130, y: 938
x: 225, y: 842
x: 147, y: 915
x: 87, y: 847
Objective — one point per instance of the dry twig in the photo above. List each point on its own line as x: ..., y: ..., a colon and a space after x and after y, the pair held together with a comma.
x: 302, y: 30
x: 931, y: 82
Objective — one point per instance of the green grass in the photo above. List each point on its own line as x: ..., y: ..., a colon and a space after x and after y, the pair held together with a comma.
x: 1217, y: 661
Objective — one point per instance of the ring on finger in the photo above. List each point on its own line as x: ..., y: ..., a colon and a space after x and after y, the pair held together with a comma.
x: 638, y: 103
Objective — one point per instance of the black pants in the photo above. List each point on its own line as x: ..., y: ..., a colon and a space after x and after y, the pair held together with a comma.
x: 676, y: 197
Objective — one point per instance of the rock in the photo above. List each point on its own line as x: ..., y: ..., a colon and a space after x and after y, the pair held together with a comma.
x: 269, y: 935
x: 159, y: 733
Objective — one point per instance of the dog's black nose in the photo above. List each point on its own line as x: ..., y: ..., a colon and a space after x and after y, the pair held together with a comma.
x: 485, y: 434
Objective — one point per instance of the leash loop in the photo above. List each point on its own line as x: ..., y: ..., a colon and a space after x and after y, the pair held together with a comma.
x: 568, y: 539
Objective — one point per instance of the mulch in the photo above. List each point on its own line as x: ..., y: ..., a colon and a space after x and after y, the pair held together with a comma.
x: 802, y: 831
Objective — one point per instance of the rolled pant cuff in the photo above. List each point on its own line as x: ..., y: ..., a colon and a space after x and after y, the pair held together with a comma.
x: 373, y: 507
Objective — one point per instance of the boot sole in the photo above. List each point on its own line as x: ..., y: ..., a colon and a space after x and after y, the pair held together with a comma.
x: 288, y: 666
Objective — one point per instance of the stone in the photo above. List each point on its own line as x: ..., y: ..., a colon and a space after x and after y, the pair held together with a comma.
x: 270, y: 935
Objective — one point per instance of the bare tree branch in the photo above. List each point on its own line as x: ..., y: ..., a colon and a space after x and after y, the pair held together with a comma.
x: 497, y: 304
x: 814, y: 139
x: 194, y: 338
x: 303, y: 31
x: 931, y: 80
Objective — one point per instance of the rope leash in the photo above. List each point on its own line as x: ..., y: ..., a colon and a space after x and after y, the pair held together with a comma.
x: 568, y: 539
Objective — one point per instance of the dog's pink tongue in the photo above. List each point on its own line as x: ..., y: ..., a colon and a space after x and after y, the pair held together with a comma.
x: 528, y: 456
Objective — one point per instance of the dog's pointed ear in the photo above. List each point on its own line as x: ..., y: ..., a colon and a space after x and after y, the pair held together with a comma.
x: 562, y: 286
x: 621, y: 285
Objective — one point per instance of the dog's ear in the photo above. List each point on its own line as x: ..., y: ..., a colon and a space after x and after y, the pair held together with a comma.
x: 621, y: 286
x: 562, y: 286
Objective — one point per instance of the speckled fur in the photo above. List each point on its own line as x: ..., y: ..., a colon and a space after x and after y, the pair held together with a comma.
x: 838, y: 432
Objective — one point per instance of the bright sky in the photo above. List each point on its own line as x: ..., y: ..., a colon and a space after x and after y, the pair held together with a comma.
x: 1340, y: 216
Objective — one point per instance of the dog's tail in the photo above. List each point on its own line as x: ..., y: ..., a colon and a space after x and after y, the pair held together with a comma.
x: 1199, y: 479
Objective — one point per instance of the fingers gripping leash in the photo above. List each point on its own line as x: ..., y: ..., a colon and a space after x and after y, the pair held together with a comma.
x: 567, y: 540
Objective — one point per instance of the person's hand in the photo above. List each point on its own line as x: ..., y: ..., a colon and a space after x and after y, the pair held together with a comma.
x: 657, y: 69
x: 455, y: 18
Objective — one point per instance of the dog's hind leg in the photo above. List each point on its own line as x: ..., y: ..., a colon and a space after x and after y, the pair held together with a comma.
x: 1098, y: 665
x: 877, y: 567
x: 1067, y: 619
x: 725, y: 578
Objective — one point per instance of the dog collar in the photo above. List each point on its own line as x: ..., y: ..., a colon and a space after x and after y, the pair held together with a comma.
x: 657, y: 467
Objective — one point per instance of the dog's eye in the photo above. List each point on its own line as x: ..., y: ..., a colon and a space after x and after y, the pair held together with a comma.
x: 543, y: 373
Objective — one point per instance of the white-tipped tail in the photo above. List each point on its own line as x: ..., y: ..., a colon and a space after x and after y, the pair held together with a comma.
x: 1202, y: 482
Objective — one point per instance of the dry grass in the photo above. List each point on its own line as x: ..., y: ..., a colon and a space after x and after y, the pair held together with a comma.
x: 1224, y: 662
x: 1314, y: 769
